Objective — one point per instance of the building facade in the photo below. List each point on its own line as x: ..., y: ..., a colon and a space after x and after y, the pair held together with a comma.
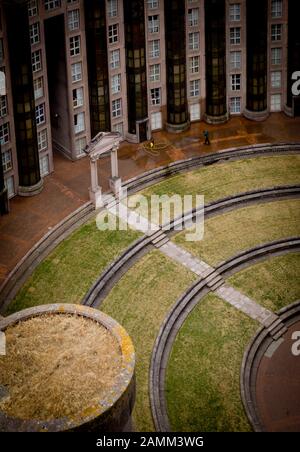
x: 77, y: 67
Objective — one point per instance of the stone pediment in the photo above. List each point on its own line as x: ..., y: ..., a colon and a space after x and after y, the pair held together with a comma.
x: 102, y: 143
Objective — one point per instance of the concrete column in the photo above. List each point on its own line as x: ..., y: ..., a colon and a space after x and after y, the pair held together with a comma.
x: 115, y: 181
x: 95, y: 190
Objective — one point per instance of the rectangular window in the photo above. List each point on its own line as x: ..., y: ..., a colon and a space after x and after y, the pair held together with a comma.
x: 112, y: 8
x: 76, y: 72
x: 276, y: 55
x: 116, y: 108
x: 155, y: 96
x: 74, y: 19
x: 10, y: 186
x: 42, y: 138
x: 155, y: 73
x: 276, y: 32
x: 276, y: 8
x: 40, y: 114
x: 118, y: 128
x: 80, y: 145
x: 44, y: 165
x: 3, y: 106
x: 38, y: 88
x: 75, y: 45
x: 4, y: 133
x: 34, y: 32
x: 276, y: 79
x: 77, y: 97
x: 235, y: 12
x: 193, y: 17
x: 236, y: 82
x: 52, y: 4
x: 79, y: 123
x: 235, y: 105
x: 156, y: 121
x: 195, y: 112
x: 235, y: 60
x: 152, y: 4
x: 32, y: 8
x: 194, y: 88
x: 115, y: 59
x: 153, y: 24
x: 194, y: 64
x: 235, y: 35
x: 276, y: 102
x: 6, y: 161
x: 113, y: 33
x: 154, y: 48
x: 36, y: 61
x: 194, y: 40
x: 116, y: 84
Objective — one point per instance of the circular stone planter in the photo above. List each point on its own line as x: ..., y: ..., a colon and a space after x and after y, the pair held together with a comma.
x: 113, y: 411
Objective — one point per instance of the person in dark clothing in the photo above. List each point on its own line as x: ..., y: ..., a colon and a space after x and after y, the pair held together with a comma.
x: 206, y: 136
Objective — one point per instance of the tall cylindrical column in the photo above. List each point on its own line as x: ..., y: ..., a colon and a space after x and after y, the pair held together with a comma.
x: 257, y: 59
x: 177, y: 109
x: 30, y: 182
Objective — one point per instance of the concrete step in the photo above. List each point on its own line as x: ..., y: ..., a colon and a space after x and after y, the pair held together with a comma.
x: 161, y: 242
x: 217, y: 285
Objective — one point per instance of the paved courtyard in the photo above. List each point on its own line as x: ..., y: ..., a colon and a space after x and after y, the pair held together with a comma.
x: 67, y: 188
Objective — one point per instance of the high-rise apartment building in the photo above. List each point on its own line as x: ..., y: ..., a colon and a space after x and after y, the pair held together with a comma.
x: 77, y: 67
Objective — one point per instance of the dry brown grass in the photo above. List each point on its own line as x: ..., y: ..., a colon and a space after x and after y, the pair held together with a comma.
x: 56, y: 366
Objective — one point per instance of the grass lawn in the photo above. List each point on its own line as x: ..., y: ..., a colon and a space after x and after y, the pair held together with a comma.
x: 226, y: 179
x: 274, y: 283
x: 203, y: 389
x: 230, y: 233
x: 140, y: 302
x: 70, y: 270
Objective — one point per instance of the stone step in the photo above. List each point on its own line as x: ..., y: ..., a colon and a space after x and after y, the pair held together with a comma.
x: 160, y: 237
x: 217, y: 285
x: 280, y: 333
x: 161, y: 242
x: 276, y: 328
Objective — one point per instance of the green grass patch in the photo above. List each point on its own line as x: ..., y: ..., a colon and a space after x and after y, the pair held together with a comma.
x: 274, y: 283
x: 70, y: 270
x: 202, y: 384
x: 230, y: 233
x: 226, y: 179
x: 140, y: 302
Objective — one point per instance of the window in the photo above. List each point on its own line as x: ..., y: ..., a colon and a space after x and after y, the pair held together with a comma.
x: 42, y: 139
x: 115, y: 59
x: 194, y: 88
x: 38, y: 88
x: 152, y: 4
x: 156, y: 121
x: 276, y: 55
x: 79, y: 123
x: 113, y: 33
x: 34, y: 32
x: 194, y: 64
x: 112, y: 8
x: 276, y: 8
x: 3, y: 106
x: 77, y: 97
x: 235, y: 12
x: 4, y: 133
x: 276, y: 32
x: 195, y: 112
x: 193, y: 17
x: 74, y: 19
x: 153, y: 24
x: 155, y: 73
x: 6, y: 161
x: 52, y: 4
x: 276, y: 102
x: 194, y: 40
x: 40, y: 114
x: 235, y: 105
x: 74, y: 45
x: 44, y: 165
x: 36, y: 61
x: 10, y: 186
x: 236, y: 82
x: 235, y: 60
x: 154, y: 48
x: 235, y: 35
x: 80, y: 145
x: 32, y: 8
x: 116, y: 108
x: 155, y: 96
x: 116, y: 84
x: 76, y: 72
x: 118, y: 128
x: 276, y: 79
